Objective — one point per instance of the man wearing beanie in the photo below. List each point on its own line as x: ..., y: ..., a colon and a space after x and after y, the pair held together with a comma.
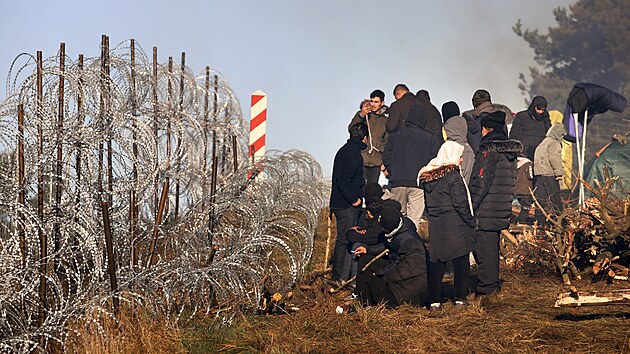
x: 401, y: 276
x: 482, y: 104
x: 492, y: 189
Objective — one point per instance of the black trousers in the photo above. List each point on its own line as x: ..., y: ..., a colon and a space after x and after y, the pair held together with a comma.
x: 371, y: 173
x: 461, y: 269
x: 372, y: 289
x: 487, y: 257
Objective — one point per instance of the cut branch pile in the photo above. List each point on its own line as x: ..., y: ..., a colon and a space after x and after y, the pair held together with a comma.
x: 593, y: 240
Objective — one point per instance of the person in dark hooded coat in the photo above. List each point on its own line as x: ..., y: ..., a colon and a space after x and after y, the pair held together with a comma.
x: 451, y: 222
x: 531, y: 126
x: 401, y: 276
x: 407, y: 150
x: 492, y: 190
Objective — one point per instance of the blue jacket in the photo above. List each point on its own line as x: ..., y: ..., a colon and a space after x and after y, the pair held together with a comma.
x: 347, y: 176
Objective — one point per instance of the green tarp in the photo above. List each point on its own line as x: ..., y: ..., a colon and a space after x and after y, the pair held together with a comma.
x: 617, y: 158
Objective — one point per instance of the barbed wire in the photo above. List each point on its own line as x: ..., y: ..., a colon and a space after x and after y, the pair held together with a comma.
x: 126, y: 139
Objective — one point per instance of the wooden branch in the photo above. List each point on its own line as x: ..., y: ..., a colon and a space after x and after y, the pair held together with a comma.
x: 508, y: 236
x: 327, y: 254
x: 379, y: 256
x: 547, y: 216
x: 594, y: 298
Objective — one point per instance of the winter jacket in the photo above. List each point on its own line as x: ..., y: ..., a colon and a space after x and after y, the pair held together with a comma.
x: 530, y: 128
x: 548, y: 156
x: 399, y: 111
x: 434, y: 121
x: 456, y: 130
x: 373, y: 232
x: 473, y: 119
x: 406, y: 273
x: 524, y: 176
x: 493, y: 179
x: 347, y: 176
x: 377, y: 137
x: 448, y: 208
x: 409, y: 149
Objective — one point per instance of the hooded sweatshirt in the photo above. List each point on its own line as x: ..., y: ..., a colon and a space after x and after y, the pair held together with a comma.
x: 456, y: 130
x: 548, y: 156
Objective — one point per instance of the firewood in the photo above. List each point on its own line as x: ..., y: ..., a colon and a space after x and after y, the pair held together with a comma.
x: 594, y: 298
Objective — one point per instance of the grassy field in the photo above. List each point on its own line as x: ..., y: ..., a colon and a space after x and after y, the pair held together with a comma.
x: 521, y: 318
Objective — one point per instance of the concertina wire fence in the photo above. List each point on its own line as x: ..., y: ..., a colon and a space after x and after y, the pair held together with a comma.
x: 132, y: 154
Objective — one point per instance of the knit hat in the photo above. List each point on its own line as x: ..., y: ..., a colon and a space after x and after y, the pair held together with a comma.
x: 374, y: 206
x: 449, y: 109
x: 373, y: 191
x: 494, y: 120
x: 390, y: 219
x: 392, y: 203
x: 480, y: 96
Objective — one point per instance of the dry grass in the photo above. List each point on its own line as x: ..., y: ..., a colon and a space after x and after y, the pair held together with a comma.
x: 131, y: 334
x: 521, y: 318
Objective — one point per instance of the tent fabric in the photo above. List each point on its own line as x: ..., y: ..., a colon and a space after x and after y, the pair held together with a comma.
x: 593, y: 98
x: 617, y: 158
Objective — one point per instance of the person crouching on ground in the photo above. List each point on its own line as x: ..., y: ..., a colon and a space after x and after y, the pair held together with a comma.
x: 401, y: 276
x: 451, y: 222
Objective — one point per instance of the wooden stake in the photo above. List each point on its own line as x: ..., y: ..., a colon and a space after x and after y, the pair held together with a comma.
x: 111, y: 262
x: 43, y: 240
x: 21, y: 199
x: 379, y: 256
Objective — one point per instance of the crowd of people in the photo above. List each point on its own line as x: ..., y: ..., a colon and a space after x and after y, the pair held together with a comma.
x: 458, y: 171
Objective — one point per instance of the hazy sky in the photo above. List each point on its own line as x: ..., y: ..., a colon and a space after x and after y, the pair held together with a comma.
x: 316, y: 60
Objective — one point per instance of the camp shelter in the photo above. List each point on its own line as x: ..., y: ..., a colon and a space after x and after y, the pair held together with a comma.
x: 615, y: 155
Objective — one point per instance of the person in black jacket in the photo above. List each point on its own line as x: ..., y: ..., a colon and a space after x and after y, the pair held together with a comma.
x: 346, y: 196
x: 451, y: 222
x: 492, y: 190
x: 408, y: 150
x: 531, y: 126
x: 400, y: 277
x: 399, y: 111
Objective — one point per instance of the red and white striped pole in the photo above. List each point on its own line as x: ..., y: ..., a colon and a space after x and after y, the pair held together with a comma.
x: 257, y: 130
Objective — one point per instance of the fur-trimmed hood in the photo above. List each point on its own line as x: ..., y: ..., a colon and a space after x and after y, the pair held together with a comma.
x: 504, y: 146
x: 437, y: 173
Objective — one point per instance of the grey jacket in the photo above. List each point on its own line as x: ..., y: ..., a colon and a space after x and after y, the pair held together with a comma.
x: 456, y: 129
x: 548, y: 155
x: 377, y: 138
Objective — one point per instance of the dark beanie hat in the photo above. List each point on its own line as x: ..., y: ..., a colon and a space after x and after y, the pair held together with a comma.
x: 389, y: 219
x: 392, y: 203
x: 449, y: 109
x: 373, y: 191
x: 480, y: 96
x: 374, y: 207
x: 494, y: 120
